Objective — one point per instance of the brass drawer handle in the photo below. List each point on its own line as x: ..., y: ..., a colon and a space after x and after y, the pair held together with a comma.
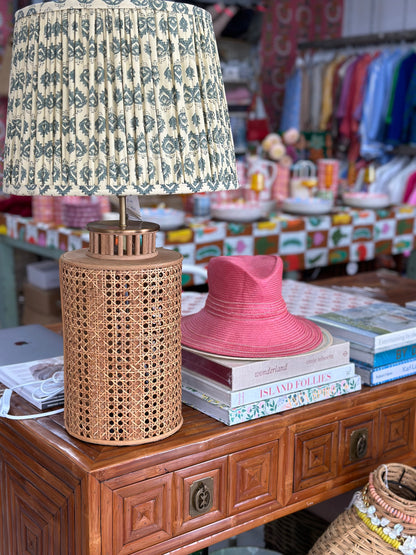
x: 358, y: 444
x: 201, y: 496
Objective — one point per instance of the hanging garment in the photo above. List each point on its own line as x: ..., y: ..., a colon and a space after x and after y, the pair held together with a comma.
x: 350, y: 125
x: 327, y: 92
x: 410, y: 192
x: 316, y: 95
x: 375, y: 103
x: 386, y: 172
x: 292, y: 102
x: 409, y: 117
x: 396, y: 111
x: 397, y: 184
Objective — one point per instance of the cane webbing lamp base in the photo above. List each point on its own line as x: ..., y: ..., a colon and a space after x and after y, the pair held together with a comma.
x: 121, y: 305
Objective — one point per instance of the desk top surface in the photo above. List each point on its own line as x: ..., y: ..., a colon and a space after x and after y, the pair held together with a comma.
x: 383, y: 285
x: 201, y: 430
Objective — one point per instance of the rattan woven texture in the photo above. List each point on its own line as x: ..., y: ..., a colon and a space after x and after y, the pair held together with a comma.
x: 348, y: 533
x: 122, y: 353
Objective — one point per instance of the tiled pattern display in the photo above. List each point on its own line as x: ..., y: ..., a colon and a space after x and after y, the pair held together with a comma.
x: 302, y: 242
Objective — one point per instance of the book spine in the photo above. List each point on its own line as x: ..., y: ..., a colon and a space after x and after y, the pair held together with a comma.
x: 274, y: 405
x: 266, y: 371
x: 387, y: 373
x: 384, y: 357
x: 232, y: 398
x: 394, y: 339
x: 51, y: 404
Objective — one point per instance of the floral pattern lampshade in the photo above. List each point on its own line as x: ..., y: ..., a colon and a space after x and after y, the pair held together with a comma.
x: 119, y: 97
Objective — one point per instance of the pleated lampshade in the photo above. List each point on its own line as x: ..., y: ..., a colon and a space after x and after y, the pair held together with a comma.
x: 118, y: 97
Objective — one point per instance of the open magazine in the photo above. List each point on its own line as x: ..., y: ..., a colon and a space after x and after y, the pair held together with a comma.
x: 38, y: 381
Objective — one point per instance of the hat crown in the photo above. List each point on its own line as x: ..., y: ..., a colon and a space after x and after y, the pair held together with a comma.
x: 246, y: 279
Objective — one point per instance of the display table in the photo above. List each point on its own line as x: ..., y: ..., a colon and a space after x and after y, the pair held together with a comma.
x: 302, y: 242
x: 204, y: 484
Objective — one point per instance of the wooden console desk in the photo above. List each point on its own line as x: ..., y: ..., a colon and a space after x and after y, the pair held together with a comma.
x: 60, y: 496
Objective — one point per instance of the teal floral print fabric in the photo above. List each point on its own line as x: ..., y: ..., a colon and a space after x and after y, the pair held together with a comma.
x: 116, y: 97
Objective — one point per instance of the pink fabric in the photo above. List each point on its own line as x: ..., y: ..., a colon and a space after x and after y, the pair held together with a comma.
x: 245, y: 314
x: 410, y: 194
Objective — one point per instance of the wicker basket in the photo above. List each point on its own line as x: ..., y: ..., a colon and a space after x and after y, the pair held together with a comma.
x: 294, y: 534
x: 381, y: 519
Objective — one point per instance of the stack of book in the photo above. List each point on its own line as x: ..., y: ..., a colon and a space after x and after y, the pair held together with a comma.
x: 234, y: 391
x: 382, y: 339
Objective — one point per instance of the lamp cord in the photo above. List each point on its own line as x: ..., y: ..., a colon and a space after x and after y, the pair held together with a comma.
x: 47, y: 389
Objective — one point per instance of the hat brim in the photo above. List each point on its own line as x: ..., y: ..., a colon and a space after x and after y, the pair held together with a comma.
x: 291, y: 335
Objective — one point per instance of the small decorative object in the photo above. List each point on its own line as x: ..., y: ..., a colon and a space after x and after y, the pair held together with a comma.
x: 167, y: 218
x: 120, y: 97
x: 366, y: 200
x: 381, y: 519
x: 42, y: 209
x: 257, y: 184
x: 273, y: 147
x: 306, y: 206
x: 264, y: 173
x: 303, y: 179
x: 328, y: 176
x: 239, y: 211
x: 270, y: 140
x: 77, y: 212
x: 291, y: 136
x: 280, y: 187
x: 258, y: 126
x: 277, y: 151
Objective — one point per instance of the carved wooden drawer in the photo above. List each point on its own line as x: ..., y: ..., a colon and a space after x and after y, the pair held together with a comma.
x: 397, y: 431
x: 315, y: 452
x: 200, y: 494
x: 358, y: 438
x: 253, y: 477
x: 141, y: 516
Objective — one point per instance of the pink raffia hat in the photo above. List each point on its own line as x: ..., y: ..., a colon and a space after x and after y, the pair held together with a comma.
x: 245, y: 315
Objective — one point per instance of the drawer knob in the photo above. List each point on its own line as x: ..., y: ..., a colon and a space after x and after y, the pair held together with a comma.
x: 201, y: 496
x: 358, y: 444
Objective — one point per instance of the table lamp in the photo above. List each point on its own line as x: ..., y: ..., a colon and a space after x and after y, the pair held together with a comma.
x: 118, y: 97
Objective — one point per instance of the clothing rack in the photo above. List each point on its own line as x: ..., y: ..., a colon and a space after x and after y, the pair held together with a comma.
x: 360, y: 40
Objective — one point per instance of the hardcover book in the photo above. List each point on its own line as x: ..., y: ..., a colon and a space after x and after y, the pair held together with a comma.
x: 378, y: 326
x: 241, y: 374
x: 387, y: 373
x: 364, y: 356
x: 273, y: 405
x: 226, y: 395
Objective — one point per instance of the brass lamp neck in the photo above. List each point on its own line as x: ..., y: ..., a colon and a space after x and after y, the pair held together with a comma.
x: 122, y: 211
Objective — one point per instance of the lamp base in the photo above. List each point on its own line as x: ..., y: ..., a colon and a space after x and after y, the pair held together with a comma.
x: 122, y: 351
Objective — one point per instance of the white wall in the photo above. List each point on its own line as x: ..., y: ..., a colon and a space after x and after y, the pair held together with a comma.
x: 362, y: 17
